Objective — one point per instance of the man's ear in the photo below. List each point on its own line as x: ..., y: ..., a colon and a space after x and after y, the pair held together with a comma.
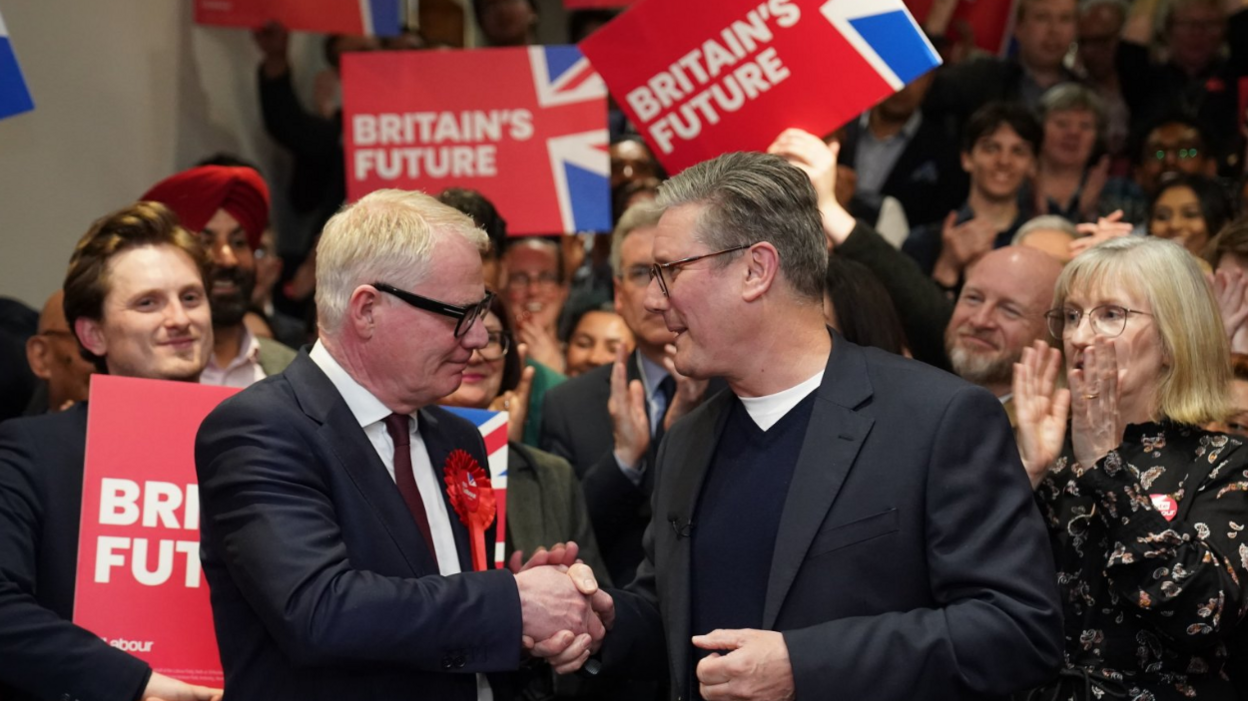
x: 762, y: 262
x: 91, y: 335
x: 37, y: 351
x: 361, y: 311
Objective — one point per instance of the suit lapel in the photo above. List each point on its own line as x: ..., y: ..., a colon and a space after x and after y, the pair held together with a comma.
x: 357, y: 457
x: 833, y: 438
x: 689, y: 456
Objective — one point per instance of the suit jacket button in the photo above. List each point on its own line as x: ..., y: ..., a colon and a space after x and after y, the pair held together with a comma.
x: 459, y: 662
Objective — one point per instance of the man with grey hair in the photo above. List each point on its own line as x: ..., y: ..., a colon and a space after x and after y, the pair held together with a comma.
x: 609, y: 421
x: 338, y: 564
x: 845, y: 522
x: 1050, y: 233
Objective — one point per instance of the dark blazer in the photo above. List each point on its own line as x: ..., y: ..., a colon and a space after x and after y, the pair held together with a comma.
x: 927, y: 178
x: 577, y: 428
x: 545, y: 506
x: 322, y: 586
x: 911, y: 561
x: 43, y: 654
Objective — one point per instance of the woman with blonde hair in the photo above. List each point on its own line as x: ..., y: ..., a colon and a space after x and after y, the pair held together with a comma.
x: 1146, y: 510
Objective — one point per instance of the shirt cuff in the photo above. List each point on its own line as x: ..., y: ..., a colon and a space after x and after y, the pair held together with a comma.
x: 633, y: 474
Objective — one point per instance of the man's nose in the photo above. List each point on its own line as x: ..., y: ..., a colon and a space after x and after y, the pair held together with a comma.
x: 477, y: 337
x: 655, y: 301
x: 176, y: 314
x: 223, y: 256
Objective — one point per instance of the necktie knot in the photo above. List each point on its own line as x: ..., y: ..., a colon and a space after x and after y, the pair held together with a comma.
x: 399, y: 428
x: 667, y: 388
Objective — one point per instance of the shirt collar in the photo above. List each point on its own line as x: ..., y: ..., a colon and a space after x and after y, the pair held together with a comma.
x: 248, y: 352
x: 366, y: 408
x: 652, y: 374
x: 907, y: 132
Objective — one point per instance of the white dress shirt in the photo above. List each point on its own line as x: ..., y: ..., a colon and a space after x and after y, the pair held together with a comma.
x: 371, y: 414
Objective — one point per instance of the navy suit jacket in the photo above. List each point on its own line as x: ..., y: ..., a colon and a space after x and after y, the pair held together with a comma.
x: 911, y: 561
x: 322, y: 585
x: 43, y: 654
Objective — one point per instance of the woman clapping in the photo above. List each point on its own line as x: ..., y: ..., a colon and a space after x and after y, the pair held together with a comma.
x: 1146, y: 510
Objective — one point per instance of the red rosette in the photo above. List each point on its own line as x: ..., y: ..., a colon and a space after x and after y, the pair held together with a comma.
x: 472, y: 497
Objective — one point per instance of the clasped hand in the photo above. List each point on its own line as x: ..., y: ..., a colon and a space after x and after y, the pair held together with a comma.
x: 1091, y: 402
x: 564, y: 614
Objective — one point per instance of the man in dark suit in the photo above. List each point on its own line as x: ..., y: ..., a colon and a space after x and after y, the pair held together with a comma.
x: 135, y: 299
x: 338, y: 564
x: 898, y: 151
x: 845, y: 523
x: 608, y: 422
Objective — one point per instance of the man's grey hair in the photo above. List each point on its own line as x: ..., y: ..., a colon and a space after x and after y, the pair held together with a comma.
x: 642, y: 215
x: 387, y: 236
x: 753, y: 197
x: 1047, y: 222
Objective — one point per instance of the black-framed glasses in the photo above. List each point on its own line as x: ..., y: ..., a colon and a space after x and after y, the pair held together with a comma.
x: 656, y: 270
x: 1108, y: 320
x: 496, y: 347
x: 464, y: 317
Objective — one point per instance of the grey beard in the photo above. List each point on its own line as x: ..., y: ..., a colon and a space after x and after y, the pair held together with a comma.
x: 981, y: 370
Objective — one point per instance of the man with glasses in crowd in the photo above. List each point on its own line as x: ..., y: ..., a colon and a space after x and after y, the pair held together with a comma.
x: 844, y: 522
x: 327, y: 537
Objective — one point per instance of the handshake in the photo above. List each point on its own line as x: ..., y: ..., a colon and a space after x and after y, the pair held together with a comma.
x: 564, y: 614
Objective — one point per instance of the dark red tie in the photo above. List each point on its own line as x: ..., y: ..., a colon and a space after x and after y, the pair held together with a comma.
x: 398, y: 426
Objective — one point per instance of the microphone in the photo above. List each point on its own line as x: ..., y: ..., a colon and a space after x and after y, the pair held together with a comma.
x: 682, y: 528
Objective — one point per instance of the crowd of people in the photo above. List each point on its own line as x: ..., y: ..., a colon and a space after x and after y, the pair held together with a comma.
x: 949, y: 404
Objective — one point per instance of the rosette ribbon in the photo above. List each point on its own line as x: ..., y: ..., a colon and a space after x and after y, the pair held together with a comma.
x: 472, y: 497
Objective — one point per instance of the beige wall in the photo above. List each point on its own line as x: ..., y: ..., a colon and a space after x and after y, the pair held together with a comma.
x: 126, y: 92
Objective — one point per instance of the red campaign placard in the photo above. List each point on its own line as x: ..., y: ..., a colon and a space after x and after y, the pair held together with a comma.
x: 140, y: 586
x: 377, y: 17
x: 992, y: 23
x: 699, y: 78
x: 527, y: 127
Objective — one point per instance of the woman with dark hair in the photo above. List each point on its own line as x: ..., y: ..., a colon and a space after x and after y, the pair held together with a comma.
x: 1191, y: 210
x: 545, y: 505
x: 858, y: 306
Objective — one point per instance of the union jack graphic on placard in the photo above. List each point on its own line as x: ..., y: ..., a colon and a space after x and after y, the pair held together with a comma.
x: 581, y: 166
x: 14, y: 96
x: 526, y: 127
x: 493, y: 428
x: 886, y: 36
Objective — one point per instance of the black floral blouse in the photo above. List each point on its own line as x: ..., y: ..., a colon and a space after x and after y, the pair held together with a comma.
x: 1152, y: 562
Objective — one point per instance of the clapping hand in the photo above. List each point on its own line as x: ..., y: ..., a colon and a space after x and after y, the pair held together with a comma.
x: 1231, y: 289
x: 1096, y: 424
x: 516, y: 401
x: 1105, y: 228
x: 627, y: 407
x: 689, y: 391
x: 1040, y: 409
x: 961, y: 245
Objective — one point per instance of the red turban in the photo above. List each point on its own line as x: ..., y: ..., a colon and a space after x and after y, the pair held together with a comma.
x: 196, y: 194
